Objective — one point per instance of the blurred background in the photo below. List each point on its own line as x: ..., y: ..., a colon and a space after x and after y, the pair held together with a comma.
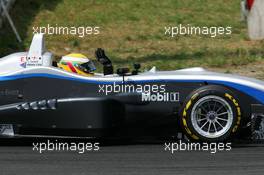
x: 133, y: 31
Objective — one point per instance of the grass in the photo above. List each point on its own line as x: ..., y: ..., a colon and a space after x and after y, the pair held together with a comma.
x: 133, y: 31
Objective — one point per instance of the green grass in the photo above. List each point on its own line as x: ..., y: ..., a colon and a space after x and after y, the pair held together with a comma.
x: 133, y: 31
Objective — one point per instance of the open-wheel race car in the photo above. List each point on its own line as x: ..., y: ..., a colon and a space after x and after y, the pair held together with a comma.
x: 41, y: 98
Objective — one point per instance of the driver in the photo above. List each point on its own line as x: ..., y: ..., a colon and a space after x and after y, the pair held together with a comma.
x: 77, y: 63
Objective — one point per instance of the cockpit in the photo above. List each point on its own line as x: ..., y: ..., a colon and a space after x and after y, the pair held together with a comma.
x: 80, y: 64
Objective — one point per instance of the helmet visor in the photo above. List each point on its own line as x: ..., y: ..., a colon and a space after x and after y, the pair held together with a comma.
x: 87, y: 67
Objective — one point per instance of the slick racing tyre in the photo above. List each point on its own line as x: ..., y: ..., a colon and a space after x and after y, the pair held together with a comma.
x: 211, y: 114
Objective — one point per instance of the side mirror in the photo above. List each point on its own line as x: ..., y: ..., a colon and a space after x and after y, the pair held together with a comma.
x: 137, y: 66
x: 122, y: 71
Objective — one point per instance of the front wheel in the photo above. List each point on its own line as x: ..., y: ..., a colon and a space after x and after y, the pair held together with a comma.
x: 211, y: 114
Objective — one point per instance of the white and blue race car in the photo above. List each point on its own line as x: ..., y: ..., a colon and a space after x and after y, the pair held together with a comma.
x: 39, y: 98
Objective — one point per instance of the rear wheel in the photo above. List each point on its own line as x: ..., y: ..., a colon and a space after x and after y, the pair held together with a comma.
x: 211, y: 114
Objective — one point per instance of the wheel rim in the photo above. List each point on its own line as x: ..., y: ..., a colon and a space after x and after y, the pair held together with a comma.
x: 212, y: 116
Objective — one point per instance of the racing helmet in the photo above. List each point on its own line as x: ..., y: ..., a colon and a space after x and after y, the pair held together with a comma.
x: 77, y: 63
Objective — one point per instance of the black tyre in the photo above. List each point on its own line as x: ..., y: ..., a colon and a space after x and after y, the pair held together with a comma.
x: 211, y: 114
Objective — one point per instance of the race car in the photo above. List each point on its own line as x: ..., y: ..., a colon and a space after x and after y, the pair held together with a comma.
x: 40, y: 98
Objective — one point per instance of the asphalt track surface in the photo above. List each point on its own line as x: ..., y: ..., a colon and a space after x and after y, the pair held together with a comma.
x: 132, y: 159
